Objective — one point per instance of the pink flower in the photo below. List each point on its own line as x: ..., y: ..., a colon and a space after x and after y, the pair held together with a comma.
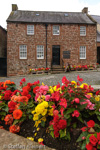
x: 77, y: 100
x: 47, y: 97
x: 63, y: 102
x: 89, y: 105
x: 75, y: 114
x: 79, y: 79
x: 23, y: 80
x: 64, y: 80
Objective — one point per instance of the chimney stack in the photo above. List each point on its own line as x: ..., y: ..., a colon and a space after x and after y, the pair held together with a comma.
x: 85, y: 10
x: 14, y: 7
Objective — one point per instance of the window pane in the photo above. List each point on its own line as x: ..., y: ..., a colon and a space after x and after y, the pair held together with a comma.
x: 23, y: 52
x: 82, y: 52
x: 56, y: 30
x: 82, y: 30
x: 30, y: 29
x: 40, y: 52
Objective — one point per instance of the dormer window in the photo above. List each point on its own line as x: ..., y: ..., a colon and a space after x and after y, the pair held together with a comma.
x: 56, y: 30
x: 30, y: 29
x: 82, y: 31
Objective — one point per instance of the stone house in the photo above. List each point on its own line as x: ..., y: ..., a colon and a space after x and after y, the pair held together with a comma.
x: 3, y: 52
x: 97, y: 19
x: 49, y: 39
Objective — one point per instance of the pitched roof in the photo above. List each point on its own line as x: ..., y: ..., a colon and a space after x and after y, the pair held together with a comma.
x: 3, y: 28
x: 96, y: 18
x: 49, y: 17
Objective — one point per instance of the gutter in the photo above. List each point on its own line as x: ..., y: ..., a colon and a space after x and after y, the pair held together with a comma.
x: 46, y: 25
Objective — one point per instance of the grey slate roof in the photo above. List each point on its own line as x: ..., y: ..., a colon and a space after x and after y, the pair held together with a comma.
x: 49, y: 17
x: 96, y: 18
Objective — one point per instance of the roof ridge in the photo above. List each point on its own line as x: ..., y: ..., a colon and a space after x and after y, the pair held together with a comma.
x: 48, y: 11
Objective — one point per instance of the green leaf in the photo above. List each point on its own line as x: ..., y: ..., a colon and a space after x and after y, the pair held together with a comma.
x: 81, y: 107
x: 98, y: 147
x: 69, y: 111
x: 68, y: 122
x: 52, y: 134
x: 83, y: 145
x: 67, y: 116
x: 68, y: 135
x: 15, y: 122
x: 30, y: 116
x: 81, y: 135
x: 80, y: 119
x: 5, y: 108
x: 98, y: 117
x: 42, y: 123
x: 87, y: 138
x: 51, y: 128
x: 62, y: 133
x: 74, y: 125
x: 2, y: 113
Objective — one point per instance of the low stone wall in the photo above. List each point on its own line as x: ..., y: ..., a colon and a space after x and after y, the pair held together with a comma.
x: 10, y: 141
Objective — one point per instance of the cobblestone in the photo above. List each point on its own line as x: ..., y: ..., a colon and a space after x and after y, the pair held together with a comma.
x: 89, y: 77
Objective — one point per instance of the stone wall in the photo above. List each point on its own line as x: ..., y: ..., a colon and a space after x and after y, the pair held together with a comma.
x: 69, y: 40
x: 3, y: 42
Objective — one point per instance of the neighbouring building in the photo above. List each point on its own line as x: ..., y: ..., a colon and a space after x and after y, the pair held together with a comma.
x: 48, y: 39
x: 97, y: 19
x: 3, y: 42
x: 3, y: 52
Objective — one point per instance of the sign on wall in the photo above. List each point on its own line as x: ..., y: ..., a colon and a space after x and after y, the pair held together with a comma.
x: 66, y: 54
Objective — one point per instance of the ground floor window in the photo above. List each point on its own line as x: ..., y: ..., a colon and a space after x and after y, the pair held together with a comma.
x: 40, y: 52
x: 82, y: 52
x: 23, y: 51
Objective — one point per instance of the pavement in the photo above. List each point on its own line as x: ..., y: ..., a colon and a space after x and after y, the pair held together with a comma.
x: 89, y: 77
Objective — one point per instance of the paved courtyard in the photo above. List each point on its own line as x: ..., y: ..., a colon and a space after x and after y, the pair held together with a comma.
x: 90, y: 77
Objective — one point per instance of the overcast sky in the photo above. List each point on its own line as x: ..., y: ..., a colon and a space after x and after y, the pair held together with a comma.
x: 48, y: 5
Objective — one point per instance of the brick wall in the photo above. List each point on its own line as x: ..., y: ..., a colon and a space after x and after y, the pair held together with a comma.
x: 69, y: 40
x: 3, y: 42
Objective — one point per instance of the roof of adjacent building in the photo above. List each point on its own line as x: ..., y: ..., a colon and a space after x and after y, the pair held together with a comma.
x: 96, y: 18
x: 3, y: 28
x: 49, y: 17
x: 98, y: 36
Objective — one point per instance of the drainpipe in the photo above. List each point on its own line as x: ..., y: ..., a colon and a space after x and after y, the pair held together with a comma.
x: 46, y: 25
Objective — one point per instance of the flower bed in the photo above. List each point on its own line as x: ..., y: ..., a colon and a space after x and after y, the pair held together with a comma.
x: 82, y: 67
x: 64, y: 116
x: 39, y: 70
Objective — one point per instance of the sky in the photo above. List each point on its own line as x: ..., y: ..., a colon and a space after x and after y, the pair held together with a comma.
x: 48, y: 5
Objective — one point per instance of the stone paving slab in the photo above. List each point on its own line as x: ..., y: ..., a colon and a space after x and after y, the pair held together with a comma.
x: 10, y: 141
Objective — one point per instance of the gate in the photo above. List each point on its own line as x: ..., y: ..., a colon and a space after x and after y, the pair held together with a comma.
x: 3, y: 67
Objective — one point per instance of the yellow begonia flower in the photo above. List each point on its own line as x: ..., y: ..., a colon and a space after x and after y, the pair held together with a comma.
x: 43, y: 84
x: 82, y: 85
x: 43, y: 119
x: 37, y: 123
x: 40, y: 140
x: 74, y: 83
x: 35, y: 134
x: 33, y: 111
x: 0, y: 97
x: 38, y: 129
x: 30, y: 138
x: 97, y: 98
x: 44, y: 112
x: 50, y: 112
x: 91, y: 94
x: 35, y: 117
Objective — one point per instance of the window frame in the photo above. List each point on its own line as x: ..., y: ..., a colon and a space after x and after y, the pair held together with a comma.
x: 53, y: 30
x: 20, y: 57
x: 42, y: 57
x: 83, y: 52
x: 82, y: 29
x: 29, y: 33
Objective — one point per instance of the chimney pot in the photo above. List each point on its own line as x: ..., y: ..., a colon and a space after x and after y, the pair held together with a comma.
x: 85, y: 10
x: 14, y: 7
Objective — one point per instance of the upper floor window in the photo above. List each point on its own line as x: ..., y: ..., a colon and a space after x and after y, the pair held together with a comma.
x: 23, y: 52
x: 40, y: 52
x: 56, y: 30
x: 82, y: 52
x: 30, y: 29
x: 82, y: 31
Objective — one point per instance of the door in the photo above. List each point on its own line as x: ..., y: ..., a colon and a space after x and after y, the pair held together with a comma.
x: 98, y: 55
x: 56, y: 55
x: 3, y: 66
